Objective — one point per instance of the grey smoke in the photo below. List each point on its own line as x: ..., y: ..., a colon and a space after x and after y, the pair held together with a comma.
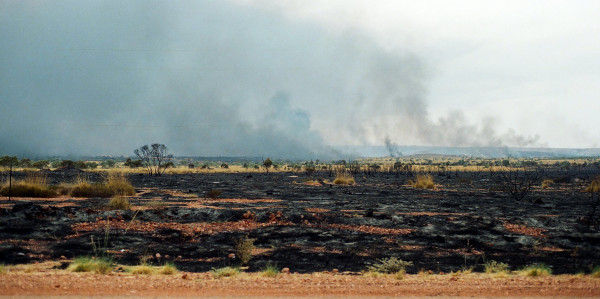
x: 206, y: 78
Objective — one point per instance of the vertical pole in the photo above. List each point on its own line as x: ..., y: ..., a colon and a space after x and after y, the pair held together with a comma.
x: 10, y: 181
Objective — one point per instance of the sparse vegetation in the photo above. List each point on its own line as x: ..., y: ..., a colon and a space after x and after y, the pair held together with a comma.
x: 494, y: 267
x: 2, y: 269
x: 536, y: 270
x: 390, y: 265
x: 243, y: 249
x: 91, y: 264
x: 225, y: 272
x: 595, y: 272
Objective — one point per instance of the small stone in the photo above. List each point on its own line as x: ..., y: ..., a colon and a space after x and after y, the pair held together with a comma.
x: 231, y: 255
x: 335, y: 271
x: 167, y: 256
x: 285, y: 270
x: 62, y: 257
x: 184, y: 276
x: 157, y: 255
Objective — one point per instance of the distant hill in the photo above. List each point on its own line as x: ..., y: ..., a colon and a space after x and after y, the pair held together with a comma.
x: 478, y: 152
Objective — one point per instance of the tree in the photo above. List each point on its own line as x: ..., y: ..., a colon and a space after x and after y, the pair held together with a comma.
x: 267, y: 164
x: 154, y: 157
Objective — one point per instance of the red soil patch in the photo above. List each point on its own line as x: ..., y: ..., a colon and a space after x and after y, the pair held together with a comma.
x: 62, y: 283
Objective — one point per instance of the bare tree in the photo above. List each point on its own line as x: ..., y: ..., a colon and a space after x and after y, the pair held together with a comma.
x: 518, y: 181
x: 154, y: 157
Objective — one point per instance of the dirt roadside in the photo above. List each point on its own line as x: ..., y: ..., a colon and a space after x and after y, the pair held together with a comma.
x: 295, y: 285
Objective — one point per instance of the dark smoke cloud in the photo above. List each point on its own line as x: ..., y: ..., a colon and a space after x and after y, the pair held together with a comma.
x: 205, y: 78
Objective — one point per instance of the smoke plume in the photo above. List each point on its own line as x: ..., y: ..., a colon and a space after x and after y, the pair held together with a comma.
x: 208, y: 78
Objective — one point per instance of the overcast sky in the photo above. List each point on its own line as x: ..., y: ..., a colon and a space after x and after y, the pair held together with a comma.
x: 292, y: 78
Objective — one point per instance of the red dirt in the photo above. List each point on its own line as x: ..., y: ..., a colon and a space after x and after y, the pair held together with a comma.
x: 62, y: 283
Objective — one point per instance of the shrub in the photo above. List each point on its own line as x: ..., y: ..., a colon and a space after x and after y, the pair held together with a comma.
x: 119, y: 203
x: 225, y: 272
x: 390, y: 265
x: 243, y: 249
x: 537, y: 270
x: 344, y: 178
x: 424, y: 181
x: 495, y: 267
x: 89, y: 264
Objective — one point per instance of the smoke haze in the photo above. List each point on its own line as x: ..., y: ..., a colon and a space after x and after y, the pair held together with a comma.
x: 208, y: 78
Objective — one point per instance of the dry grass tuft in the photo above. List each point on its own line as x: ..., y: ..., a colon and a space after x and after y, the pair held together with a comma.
x: 424, y: 181
x: 536, y: 271
x: 119, y: 203
x: 547, y: 183
x: 344, y: 178
x: 33, y: 186
x: 594, y: 186
x: 116, y: 185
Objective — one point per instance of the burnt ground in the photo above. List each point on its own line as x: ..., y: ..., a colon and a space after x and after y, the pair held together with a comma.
x: 311, y: 227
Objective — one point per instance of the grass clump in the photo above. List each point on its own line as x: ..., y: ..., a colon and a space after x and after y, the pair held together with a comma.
x: 423, y: 181
x: 225, y: 272
x: 390, y: 265
x: 115, y: 185
x: 167, y: 269
x: 344, y: 178
x: 33, y: 186
x: 594, y: 186
x: 142, y: 269
x: 270, y: 270
x: 90, y: 264
x: 119, y: 203
x: 2, y: 269
x: 119, y: 185
x: 595, y: 272
x: 536, y: 270
x: 494, y: 267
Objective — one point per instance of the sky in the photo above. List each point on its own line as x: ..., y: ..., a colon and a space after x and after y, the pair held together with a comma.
x: 296, y: 79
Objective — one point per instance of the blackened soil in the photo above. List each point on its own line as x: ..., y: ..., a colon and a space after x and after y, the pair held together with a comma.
x: 466, y: 221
